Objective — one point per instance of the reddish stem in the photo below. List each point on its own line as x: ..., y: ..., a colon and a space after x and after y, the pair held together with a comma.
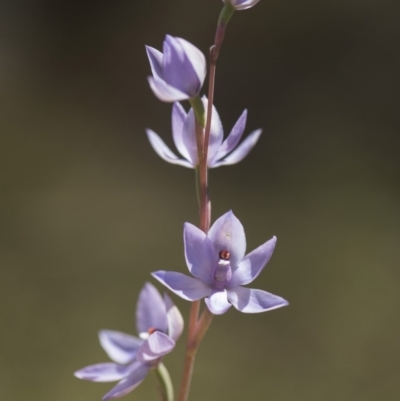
x: 198, y: 328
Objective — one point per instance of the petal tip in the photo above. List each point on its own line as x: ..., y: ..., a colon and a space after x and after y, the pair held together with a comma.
x: 156, y: 274
x: 77, y: 374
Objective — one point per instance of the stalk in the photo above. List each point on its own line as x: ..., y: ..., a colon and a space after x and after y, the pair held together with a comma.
x: 198, y: 327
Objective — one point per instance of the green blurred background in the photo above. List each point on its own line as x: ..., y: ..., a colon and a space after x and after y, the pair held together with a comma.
x: 88, y: 209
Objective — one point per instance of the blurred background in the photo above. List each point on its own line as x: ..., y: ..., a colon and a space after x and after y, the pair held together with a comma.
x: 88, y: 210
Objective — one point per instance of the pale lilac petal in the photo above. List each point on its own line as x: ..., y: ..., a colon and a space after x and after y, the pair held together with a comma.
x: 189, y: 134
x: 150, y: 310
x: 163, y: 150
x: 218, y: 303
x: 199, y: 253
x: 178, y: 68
x: 189, y: 137
x: 196, y: 58
x: 253, y: 263
x: 175, y: 319
x: 166, y: 92
x: 248, y: 300
x: 242, y: 4
x: 157, y: 345
x: 227, y: 233
x: 216, y: 131
x: 138, y: 373
x: 233, y: 138
x: 178, y: 72
x: 120, y: 347
x: 189, y: 288
x: 155, y: 58
x: 178, y: 120
x: 241, y: 151
x: 103, y: 372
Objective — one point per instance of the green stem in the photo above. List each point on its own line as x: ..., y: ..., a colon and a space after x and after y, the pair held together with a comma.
x: 199, y: 111
x: 164, y: 379
x: 224, y: 18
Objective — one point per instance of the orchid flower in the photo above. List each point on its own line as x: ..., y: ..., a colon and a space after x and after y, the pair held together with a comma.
x: 178, y: 72
x: 159, y: 324
x: 220, y: 152
x: 241, y: 4
x: 218, y: 263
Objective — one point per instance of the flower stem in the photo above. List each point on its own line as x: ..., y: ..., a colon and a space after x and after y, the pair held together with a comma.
x: 202, y: 325
x: 197, y: 179
x: 198, y: 327
x: 166, y: 387
x: 224, y: 17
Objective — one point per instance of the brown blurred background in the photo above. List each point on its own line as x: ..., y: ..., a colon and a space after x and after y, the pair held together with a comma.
x: 88, y: 210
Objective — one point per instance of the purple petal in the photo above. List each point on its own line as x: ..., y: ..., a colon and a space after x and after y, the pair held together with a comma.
x: 216, y: 131
x: 163, y: 150
x: 227, y: 233
x: 253, y: 263
x: 189, y: 134
x: 155, y: 58
x: 175, y: 319
x: 178, y: 120
x: 183, y: 65
x: 103, y: 372
x: 241, y: 151
x: 199, y: 253
x: 120, y: 347
x: 138, y: 373
x: 150, y: 310
x: 248, y: 300
x: 233, y: 138
x: 243, y: 4
x: 196, y: 58
x: 189, y: 288
x: 166, y: 92
x: 157, y: 345
x: 218, y: 303
x: 189, y: 137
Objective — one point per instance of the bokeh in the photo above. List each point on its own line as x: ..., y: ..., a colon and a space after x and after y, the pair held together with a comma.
x: 88, y: 210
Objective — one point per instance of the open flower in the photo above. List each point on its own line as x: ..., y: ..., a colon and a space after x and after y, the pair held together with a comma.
x: 218, y: 263
x: 178, y: 72
x: 241, y: 4
x: 159, y: 324
x: 220, y: 152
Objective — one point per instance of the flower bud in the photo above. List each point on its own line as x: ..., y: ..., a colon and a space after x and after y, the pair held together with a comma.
x: 178, y: 72
x: 241, y: 4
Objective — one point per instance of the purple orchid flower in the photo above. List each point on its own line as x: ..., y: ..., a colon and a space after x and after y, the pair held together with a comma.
x: 241, y: 4
x: 159, y: 324
x: 178, y: 72
x: 220, y: 152
x: 218, y: 263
